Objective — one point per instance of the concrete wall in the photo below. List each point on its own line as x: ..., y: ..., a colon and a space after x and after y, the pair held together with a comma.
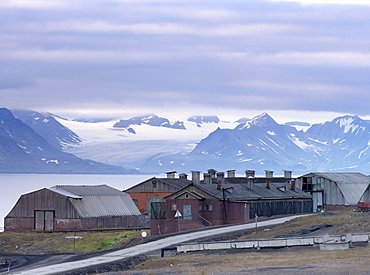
x: 278, y: 242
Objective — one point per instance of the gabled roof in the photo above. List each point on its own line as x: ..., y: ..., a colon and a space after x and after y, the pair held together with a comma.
x: 176, y: 182
x: 179, y: 183
x: 81, y: 190
x: 98, y: 200
x: 240, y: 192
x: 352, y: 185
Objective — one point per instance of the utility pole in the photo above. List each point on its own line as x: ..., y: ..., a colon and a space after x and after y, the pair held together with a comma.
x: 255, y: 219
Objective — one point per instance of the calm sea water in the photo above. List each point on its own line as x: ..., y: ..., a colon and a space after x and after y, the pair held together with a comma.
x: 12, y: 186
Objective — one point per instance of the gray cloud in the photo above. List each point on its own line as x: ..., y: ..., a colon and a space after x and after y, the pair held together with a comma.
x: 280, y: 55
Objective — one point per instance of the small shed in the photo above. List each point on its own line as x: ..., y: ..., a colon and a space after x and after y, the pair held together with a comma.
x: 68, y: 207
x: 155, y: 189
x: 334, y: 191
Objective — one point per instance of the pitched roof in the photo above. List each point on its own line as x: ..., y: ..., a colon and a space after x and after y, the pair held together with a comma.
x: 176, y: 182
x: 352, y: 185
x: 240, y: 192
x: 243, y: 180
x: 98, y: 200
x: 81, y: 190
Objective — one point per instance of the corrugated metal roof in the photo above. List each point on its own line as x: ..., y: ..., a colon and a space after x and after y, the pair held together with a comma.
x: 82, y: 190
x: 352, y: 185
x: 106, y: 206
x: 63, y: 192
x: 98, y: 200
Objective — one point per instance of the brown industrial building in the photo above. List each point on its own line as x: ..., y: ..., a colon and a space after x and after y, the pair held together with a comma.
x: 219, y: 200
x: 155, y: 189
x: 64, y: 208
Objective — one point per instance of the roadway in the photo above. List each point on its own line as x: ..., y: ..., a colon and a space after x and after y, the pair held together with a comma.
x: 145, y: 248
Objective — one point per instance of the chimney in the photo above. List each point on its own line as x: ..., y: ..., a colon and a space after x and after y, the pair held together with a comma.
x: 207, y: 178
x: 250, y: 181
x: 220, y: 180
x: 195, y: 177
x: 183, y: 176
x: 269, y: 174
x: 171, y: 175
x: 250, y: 173
x: 292, y: 185
x: 231, y: 174
x: 268, y: 184
x: 212, y: 173
x: 287, y: 174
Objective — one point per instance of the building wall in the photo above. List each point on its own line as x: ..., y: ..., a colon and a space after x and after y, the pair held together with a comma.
x: 141, y: 199
x: 43, y: 200
x: 159, y: 227
x: 337, y: 207
x: 236, y: 213
x: 366, y: 196
x: 28, y: 224
x: 330, y: 195
x: 151, y: 186
x: 19, y: 224
x: 22, y: 216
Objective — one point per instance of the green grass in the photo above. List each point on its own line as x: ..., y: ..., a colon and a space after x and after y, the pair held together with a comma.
x: 42, y: 243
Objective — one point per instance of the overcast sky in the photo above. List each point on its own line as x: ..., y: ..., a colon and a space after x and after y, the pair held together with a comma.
x: 234, y: 58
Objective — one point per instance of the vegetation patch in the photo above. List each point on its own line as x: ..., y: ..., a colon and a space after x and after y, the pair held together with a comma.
x: 37, y: 243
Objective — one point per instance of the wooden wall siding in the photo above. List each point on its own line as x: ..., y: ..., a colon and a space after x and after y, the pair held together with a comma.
x: 148, y: 186
x: 43, y: 200
x: 332, y: 194
x: 186, y: 196
x: 366, y: 196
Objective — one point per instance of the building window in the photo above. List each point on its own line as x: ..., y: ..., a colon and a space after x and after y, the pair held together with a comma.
x: 307, y: 184
x: 174, y: 207
x: 208, y: 207
x: 154, y: 184
x: 135, y: 201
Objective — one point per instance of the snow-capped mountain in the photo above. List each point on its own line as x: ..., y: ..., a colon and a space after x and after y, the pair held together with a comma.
x: 152, y: 120
x: 48, y: 127
x: 260, y: 143
x: 139, y: 138
x: 22, y: 150
x: 156, y: 144
x: 199, y: 120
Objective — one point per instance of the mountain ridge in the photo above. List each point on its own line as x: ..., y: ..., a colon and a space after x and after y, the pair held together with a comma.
x: 204, y: 142
x: 22, y: 150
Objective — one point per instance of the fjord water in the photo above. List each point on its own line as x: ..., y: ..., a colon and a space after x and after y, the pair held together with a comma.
x: 12, y: 186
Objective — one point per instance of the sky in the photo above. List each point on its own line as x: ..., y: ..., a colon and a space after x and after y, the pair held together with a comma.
x: 297, y: 60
